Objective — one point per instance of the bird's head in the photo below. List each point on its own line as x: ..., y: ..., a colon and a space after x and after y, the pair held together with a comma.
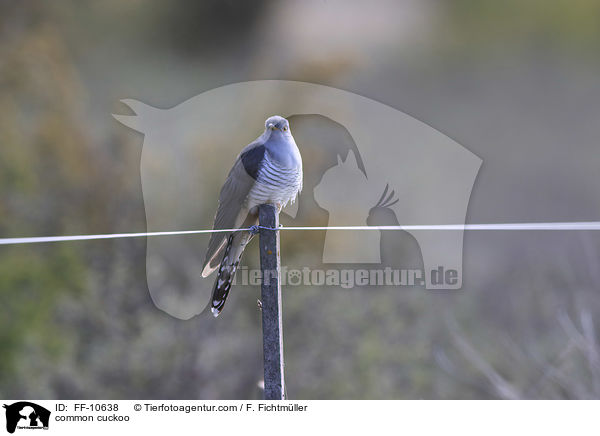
x: 277, y: 125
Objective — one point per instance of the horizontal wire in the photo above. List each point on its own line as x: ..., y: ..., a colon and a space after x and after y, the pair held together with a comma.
x: 33, y: 240
x: 587, y: 225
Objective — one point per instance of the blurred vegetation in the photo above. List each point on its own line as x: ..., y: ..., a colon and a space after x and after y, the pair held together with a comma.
x: 76, y: 318
x: 568, y: 26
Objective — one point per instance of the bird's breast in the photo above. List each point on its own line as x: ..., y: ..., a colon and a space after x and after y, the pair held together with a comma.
x: 275, y: 183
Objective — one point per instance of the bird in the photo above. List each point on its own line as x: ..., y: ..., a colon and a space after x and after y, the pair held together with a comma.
x: 267, y: 171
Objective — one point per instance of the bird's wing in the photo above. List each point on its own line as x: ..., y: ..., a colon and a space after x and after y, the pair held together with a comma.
x: 231, y: 212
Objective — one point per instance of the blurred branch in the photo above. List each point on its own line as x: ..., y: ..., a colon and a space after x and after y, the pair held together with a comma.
x: 501, y: 386
x: 446, y: 365
x: 585, y: 341
x: 579, y: 339
x: 553, y: 372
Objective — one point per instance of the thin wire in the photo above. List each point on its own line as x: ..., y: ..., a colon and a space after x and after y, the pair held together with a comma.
x: 11, y: 241
x: 588, y: 225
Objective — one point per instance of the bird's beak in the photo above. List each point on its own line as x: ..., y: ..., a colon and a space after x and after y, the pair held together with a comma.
x: 272, y: 127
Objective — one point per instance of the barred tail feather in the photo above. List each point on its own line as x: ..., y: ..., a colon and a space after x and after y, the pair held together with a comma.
x: 231, y: 260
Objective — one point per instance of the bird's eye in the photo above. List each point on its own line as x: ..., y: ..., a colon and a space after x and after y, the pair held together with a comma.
x: 285, y: 128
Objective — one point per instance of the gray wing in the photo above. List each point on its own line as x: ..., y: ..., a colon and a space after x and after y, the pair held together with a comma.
x: 232, y: 212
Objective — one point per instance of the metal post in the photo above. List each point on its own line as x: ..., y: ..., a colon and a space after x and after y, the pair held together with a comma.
x: 270, y: 265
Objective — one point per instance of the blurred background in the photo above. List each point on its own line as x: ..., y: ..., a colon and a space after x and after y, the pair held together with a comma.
x: 517, y: 83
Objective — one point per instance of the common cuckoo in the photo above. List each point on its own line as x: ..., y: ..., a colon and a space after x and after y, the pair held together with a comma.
x: 267, y: 171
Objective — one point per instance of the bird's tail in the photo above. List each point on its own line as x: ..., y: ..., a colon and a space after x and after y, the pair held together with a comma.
x: 234, y: 249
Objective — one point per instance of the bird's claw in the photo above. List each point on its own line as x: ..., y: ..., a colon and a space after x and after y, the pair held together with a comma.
x: 253, y: 230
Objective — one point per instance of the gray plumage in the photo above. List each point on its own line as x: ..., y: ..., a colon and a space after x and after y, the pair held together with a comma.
x: 268, y: 170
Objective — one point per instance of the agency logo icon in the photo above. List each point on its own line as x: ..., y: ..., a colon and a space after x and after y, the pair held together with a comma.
x: 365, y: 163
x: 25, y: 415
